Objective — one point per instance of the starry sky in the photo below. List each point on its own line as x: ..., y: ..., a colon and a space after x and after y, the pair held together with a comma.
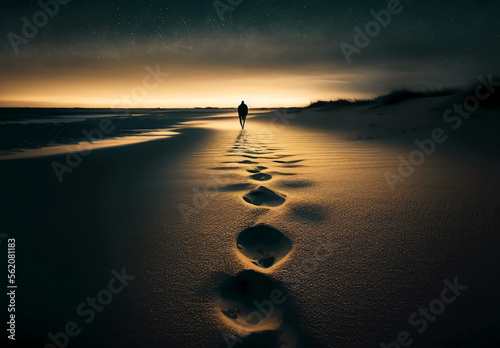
x: 95, y: 53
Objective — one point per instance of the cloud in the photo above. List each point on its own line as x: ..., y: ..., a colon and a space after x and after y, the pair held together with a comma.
x: 296, y: 45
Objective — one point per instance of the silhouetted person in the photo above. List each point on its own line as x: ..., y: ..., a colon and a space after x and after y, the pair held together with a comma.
x: 243, y: 112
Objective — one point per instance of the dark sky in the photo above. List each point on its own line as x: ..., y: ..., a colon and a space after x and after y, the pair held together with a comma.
x: 271, y: 52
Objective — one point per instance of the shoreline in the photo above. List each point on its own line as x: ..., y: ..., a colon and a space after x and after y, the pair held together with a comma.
x: 52, y: 133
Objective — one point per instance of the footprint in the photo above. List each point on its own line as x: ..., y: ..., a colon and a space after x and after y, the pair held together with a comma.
x: 261, y: 177
x: 263, y: 245
x: 264, y: 339
x: 281, y: 173
x: 242, y: 162
x: 257, y: 157
x: 296, y: 184
x: 225, y: 168
x: 292, y: 166
x: 241, y: 296
x: 234, y: 187
x: 240, y: 155
x: 264, y: 197
x: 282, y: 156
x: 256, y: 169
x: 260, y: 152
x: 288, y: 162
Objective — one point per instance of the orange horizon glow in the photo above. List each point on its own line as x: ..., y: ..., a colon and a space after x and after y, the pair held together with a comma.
x: 254, y: 101
x: 180, y: 89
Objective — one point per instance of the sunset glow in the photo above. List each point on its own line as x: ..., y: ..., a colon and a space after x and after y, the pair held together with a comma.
x: 86, y: 59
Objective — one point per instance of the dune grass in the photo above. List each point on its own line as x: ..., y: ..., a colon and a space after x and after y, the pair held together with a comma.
x: 394, y: 97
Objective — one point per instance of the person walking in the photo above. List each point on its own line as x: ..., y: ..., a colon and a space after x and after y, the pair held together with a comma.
x: 242, y: 112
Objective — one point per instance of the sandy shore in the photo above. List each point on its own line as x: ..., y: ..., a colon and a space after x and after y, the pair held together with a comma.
x: 296, y: 212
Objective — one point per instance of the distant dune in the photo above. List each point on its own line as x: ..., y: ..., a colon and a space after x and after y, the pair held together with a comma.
x: 406, y: 115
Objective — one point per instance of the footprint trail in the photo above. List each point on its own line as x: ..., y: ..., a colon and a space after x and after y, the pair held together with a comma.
x: 261, y: 247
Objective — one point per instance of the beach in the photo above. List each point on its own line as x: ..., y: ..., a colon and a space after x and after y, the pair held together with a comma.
x: 355, y: 253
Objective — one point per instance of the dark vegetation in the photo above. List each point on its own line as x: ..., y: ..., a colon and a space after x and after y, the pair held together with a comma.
x: 491, y: 90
